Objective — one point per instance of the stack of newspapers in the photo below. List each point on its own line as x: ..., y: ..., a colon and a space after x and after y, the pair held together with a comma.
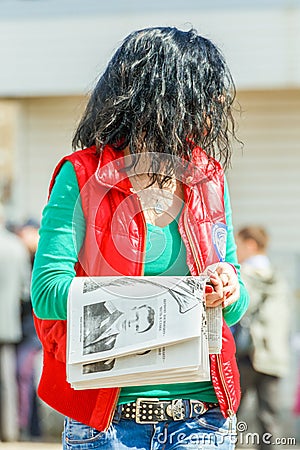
x: 129, y: 331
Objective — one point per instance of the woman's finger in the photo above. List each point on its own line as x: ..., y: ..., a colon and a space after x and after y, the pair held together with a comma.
x: 213, y: 300
x: 231, y: 294
x: 225, y: 277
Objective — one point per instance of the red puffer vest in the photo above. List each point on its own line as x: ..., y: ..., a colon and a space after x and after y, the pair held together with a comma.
x: 114, y: 245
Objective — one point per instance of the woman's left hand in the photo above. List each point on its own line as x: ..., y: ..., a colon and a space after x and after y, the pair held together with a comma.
x: 226, y: 286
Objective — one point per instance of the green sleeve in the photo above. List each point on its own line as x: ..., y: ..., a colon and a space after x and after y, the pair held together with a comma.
x: 61, y: 235
x: 234, y: 312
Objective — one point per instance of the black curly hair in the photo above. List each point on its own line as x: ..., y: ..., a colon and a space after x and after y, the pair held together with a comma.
x: 163, y: 89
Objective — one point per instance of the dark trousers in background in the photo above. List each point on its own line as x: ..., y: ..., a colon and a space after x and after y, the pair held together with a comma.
x: 266, y: 390
x: 27, y: 352
x: 9, y: 429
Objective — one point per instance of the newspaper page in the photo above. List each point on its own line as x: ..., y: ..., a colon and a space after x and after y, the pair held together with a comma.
x: 184, y: 358
x: 214, y: 329
x: 110, y: 317
x: 204, y: 348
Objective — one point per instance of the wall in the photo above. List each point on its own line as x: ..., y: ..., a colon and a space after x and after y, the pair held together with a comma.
x: 45, y: 130
x: 51, y: 53
x: 265, y: 178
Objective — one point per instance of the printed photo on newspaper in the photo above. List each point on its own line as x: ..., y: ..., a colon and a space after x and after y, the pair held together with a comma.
x: 181, y: 362
x: 109, y: 317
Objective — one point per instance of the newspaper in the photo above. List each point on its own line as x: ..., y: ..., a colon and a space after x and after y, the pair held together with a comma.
x: 116, y: 316
x: 128, y: 331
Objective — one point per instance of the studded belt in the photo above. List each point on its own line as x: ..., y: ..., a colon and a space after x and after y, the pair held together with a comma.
x: 153, y: 410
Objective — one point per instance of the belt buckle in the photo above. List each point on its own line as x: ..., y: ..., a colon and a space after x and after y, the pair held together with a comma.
x: 176, y: 410
x: 139, y: 405
x: 197, y: 407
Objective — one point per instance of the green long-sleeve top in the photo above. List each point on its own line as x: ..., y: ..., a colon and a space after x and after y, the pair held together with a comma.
x: 57, y: 253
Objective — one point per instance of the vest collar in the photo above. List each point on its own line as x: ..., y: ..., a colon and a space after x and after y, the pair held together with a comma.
x: 111, y: 171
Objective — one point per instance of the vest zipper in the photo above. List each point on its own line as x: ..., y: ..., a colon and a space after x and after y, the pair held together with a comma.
x: 190, y: 239
x: 145, y: 232
x: 230, y: 410
x: 196, y: 255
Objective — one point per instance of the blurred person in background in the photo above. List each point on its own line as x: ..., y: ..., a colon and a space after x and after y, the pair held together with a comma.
x: 262, y: 336
x: 145, y: 194
x: 28, y: 349
x: 14, y: 281
x: 296, y: 408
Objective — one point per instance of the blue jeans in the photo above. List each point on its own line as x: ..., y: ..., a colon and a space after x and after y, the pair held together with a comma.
x: 209, y: 431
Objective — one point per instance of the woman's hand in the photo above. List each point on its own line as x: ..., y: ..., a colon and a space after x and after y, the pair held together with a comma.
x: 225, y: 283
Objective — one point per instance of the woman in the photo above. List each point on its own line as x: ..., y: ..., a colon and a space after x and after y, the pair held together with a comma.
x: 145, y: 195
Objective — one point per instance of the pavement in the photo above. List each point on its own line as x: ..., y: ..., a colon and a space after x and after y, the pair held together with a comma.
x: 58, y: 446
x: 48, y: 446
x: 30, y: 446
